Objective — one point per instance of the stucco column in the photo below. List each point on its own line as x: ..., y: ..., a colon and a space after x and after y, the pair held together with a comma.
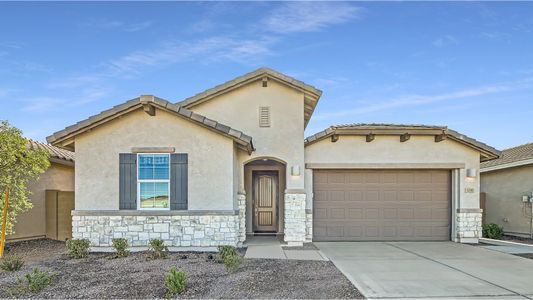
x: 295, y: 217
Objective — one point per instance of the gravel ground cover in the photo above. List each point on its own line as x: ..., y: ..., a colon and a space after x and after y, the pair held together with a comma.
x: 137, y: 276
x: 517, y: 239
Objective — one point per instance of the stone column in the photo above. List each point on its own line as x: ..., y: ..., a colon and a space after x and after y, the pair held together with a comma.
x: 308, y: 225
x: 468, y: 225
x: 295, y: 218
x: 241, y: 200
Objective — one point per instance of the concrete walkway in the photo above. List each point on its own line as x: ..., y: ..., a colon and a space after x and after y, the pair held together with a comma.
x: 431, y: 270
x: 270, y: 247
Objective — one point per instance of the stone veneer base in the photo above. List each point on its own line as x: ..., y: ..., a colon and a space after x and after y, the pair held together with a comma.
x: 210, y: 230
x: 295, y: 219
x: 468, y: 225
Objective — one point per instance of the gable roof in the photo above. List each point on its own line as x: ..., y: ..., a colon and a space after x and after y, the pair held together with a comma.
x: 57, y: 155
x: 311, y: 94
x: 486, y: 151
x: 64, y: 138
x: 512, y: 157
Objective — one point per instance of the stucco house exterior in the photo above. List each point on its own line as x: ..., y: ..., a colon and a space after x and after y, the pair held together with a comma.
x: 31, y: 224
x: 232, y: 161
x: 507, y: 183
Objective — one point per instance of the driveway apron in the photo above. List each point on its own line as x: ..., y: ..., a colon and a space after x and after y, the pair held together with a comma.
x: 431, y: 270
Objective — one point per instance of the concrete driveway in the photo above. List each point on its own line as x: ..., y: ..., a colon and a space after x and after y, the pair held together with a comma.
x: 431, y: 269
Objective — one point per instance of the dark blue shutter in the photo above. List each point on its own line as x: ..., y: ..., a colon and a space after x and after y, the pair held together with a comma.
x: 128, y: 181
x: 178, y: 181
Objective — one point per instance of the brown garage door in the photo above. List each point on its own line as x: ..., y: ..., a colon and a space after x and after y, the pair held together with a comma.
x: 381, y: 205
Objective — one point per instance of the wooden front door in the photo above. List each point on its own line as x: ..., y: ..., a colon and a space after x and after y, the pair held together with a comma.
x: 265, y: 200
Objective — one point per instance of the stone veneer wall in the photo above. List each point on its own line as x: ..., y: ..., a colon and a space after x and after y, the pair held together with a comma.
x: 295, y: 219
x: 241, y: 201
x: 308, y: 226
x: 468, y: 225
x: 175, y: 228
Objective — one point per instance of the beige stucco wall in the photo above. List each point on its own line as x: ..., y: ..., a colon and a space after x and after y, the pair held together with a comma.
x: 32, y: 223
x: 282, y: 140
x: 504, y: 189
x: 210, y: 155
x: 389, y: 149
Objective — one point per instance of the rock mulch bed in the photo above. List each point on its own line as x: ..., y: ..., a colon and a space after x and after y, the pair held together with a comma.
x: 517, y: 239
x: 138, y: 276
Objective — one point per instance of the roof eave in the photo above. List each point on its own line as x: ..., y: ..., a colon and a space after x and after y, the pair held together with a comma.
x: 64, y: 141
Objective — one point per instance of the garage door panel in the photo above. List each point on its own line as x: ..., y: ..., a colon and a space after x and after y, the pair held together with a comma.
x: 379, y: 205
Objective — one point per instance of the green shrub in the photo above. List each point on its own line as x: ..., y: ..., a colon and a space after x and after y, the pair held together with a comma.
x: 225, y: 251
x: 11, y: 263
x: 228, y: 255
x: 492, y: 231
x: 232, y: 263
x: 78, y: 248
x: 33, y: 282
x: 158, y: 249
x: 121, y: 247
x: 175, y: 282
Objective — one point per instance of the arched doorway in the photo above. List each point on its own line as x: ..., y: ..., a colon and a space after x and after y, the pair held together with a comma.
x: 264, y: 181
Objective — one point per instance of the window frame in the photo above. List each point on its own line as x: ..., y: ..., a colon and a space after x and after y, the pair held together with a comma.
x: 139, y: 181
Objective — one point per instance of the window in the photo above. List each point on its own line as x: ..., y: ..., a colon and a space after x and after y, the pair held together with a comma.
x: 264, y: 116
x: 153, y: 181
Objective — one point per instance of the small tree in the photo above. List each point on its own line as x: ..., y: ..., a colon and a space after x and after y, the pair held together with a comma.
x: 18, y: 165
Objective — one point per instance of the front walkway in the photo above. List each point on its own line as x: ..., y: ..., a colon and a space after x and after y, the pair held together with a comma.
x: 271, y: 247
x: 431, y: 270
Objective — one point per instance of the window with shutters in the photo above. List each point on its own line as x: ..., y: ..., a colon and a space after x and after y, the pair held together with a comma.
x: 264, y: 116
x: 153, y: 181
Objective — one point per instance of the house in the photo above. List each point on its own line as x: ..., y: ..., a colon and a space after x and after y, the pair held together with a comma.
x: 58, y: 178
x: 507, y: 184
x: 232, y: 161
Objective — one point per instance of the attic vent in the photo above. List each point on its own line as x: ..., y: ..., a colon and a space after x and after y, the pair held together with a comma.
x: 264, y: 116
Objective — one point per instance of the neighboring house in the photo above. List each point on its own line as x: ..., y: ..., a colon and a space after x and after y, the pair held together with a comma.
x: 505, y: 181
x: 232, y: 161
x: 59, y: 176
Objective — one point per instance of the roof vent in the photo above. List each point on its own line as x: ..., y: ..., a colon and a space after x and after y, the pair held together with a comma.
x: 264, y: 116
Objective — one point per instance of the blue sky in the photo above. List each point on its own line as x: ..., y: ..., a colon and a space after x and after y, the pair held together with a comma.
x: 466, y: 65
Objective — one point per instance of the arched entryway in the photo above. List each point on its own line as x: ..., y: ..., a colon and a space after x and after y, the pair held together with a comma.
x: 264, y: 181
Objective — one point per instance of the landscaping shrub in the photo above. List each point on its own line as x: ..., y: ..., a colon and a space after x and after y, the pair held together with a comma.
x: 78, y: 248
x: 11, y: 263
x: 225, y: 251
x: 121, y: 247
x: 175, y: 282
x: 492, y: 231
x: 158, y: 249
x: 232, y: 263
x: 33, y: 282
x: 228, y: 255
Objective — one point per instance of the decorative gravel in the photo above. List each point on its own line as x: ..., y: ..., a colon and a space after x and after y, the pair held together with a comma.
x: 137, y: 276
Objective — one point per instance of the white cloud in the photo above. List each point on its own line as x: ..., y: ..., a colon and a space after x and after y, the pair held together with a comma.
x: 105, y: 24
x: 419, y: 100
x: 444, y: 41
x: 294, y: 17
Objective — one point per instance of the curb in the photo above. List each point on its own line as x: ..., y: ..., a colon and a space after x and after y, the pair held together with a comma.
x: 504, y: 243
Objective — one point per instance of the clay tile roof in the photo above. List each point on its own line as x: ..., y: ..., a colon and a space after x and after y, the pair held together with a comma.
x: 516, y: 154
x: 136, y: 103
x: 311, y: 92
x: 488, y: 151
x: 54, y: 152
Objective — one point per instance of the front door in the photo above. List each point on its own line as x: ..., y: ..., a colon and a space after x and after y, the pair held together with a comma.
x: 265, y: 199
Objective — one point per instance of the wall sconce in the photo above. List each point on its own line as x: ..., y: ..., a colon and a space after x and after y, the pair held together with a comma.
x: 471, y: 174
x: 295, y: 170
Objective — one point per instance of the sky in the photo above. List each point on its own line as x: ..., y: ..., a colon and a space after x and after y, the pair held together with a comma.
x: 465, y: 65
